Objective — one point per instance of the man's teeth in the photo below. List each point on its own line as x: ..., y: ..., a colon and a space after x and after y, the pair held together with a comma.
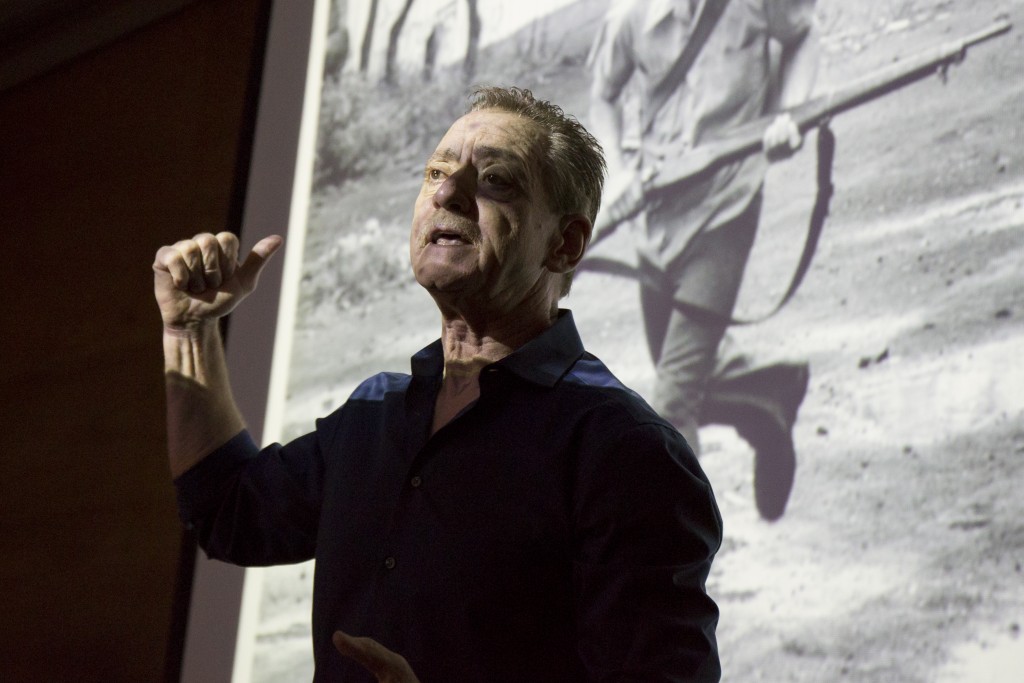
x: 448, y: 240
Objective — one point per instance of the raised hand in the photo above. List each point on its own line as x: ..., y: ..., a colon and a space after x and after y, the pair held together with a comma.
x: 387, y: 666
x: 201, y: 279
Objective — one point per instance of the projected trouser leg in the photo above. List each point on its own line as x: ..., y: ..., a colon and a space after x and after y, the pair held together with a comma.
x: 701, y: 378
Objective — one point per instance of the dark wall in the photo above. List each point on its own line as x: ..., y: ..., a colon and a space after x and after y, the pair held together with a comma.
x: 102, y: 160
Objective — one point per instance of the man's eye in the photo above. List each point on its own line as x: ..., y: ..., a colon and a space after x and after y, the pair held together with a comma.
x: 435, y: 174
x: 496, y: 181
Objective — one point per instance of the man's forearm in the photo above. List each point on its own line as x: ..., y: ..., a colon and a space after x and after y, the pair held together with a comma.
x: 196, y: 282
x: 799, y: 69
x: 201, y: 410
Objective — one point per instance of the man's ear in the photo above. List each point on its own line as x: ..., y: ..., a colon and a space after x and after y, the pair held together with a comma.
x: 570, y: 244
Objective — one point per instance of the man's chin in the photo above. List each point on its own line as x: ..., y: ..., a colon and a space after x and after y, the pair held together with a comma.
x: 444, y: 282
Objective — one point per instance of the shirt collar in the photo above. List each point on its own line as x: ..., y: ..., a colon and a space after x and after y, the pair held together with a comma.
x: 542, y: 360
x: 548, y: 356
x: 428, y: 361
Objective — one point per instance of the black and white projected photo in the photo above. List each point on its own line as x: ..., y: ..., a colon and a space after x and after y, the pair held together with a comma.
x: 863, y: 425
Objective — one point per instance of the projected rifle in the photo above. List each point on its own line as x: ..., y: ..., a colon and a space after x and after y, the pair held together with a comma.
x: 746, y: 139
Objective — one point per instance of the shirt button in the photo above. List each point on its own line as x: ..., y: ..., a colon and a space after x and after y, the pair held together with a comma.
x: 415, y: 482
x: 389, y: 563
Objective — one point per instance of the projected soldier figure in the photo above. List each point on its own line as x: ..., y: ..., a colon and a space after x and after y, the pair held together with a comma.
x: 697, y: 74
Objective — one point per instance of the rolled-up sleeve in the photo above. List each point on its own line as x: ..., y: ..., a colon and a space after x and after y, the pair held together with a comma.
x: 789, y: 20
x: 648, y: 528
x: 612, y: 57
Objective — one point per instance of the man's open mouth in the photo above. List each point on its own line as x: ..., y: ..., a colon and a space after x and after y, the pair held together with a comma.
x: 444, y: 238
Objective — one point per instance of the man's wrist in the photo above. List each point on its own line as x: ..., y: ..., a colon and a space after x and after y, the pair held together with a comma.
x: 189, y: 349
x: 196, y: 330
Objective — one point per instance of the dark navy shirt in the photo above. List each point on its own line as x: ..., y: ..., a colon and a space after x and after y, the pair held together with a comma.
x: 556, y: 530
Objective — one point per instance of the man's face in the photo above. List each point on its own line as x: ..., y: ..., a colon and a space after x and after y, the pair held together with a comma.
x: 482, y: 228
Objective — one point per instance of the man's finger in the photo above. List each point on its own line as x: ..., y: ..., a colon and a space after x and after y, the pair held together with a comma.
x: 192, y: 258
x: 169, y: 260
x: 209, y: 250
x: 249, y: 271
x: 360, y: 649
x: 229, y: 249
x: 385, y: 665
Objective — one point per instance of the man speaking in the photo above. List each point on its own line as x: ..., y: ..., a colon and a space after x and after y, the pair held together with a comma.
x: 506, y: 512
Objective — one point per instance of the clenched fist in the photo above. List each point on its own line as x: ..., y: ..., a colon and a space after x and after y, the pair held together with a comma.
x: 782, y: 137
x: 201, y: 278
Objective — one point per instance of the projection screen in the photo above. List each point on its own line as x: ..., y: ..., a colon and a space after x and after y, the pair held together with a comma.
x: 900, y: 555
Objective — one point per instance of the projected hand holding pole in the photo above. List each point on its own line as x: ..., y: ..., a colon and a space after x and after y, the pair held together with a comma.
x: 782, y: 137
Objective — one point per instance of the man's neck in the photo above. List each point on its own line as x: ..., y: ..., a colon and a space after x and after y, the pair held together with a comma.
x: 469, y: 347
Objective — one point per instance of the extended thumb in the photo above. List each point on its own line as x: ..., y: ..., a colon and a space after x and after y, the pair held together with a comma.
x: 250, y: 269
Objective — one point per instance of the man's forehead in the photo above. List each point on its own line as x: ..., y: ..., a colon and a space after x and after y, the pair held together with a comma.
x: 446, y: 152
x: 490, y: 134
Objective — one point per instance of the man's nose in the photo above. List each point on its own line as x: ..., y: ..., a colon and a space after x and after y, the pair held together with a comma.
x: 457, y: 192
